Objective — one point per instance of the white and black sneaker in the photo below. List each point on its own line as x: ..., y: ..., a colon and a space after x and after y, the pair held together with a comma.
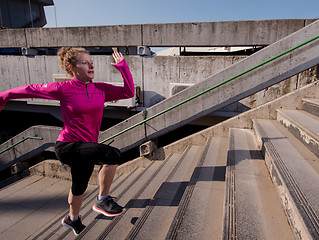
x: 76, y: 225
x: 108, y: 207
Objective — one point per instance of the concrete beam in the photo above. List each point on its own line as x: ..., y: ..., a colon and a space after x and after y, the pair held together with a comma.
x: 12, y: 38
x: 261, y: 78
x: 113, y: 36
x: 232, y: 33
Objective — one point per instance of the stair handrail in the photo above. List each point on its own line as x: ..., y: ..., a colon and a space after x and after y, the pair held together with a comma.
x: 23, y: 139
x: 211, y: 88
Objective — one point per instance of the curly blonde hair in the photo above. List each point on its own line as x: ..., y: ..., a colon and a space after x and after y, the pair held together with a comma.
x: 68, y: 56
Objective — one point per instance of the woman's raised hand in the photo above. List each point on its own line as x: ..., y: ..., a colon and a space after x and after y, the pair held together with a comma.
x: 117, y: 57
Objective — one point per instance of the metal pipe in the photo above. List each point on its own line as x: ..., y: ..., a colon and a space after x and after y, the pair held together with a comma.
x: 24, y: 139
x: 30, y: 13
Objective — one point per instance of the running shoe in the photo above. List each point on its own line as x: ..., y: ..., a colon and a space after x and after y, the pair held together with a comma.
x: 76, y: 225
x: 108, y: 207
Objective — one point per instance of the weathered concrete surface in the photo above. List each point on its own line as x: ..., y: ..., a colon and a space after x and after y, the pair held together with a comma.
x: 121, y: 35
x: 55, y: 169
x: 261, y: 78
x: 303, y: 126
x: 12, y: 38
x: 311, y: 105
x: 284, y: 156
x: 233, y: 33
x: 117, y: 35
x: 30, y: 147
x: 28, y: 205
x: 252, y: 204
x: 166, y: 70
x: 280, y: 89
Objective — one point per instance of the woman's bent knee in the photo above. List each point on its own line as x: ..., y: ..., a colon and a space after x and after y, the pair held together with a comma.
x: 78, y: 190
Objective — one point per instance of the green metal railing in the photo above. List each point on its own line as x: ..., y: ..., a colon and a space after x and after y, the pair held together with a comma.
x: 17, y: 143
x: 211, y: 88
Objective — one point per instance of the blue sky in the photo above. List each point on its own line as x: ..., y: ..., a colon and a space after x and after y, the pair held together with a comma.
x: 117, y: 12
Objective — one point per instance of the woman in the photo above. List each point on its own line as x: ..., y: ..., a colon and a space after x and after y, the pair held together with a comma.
x: 82, y: 104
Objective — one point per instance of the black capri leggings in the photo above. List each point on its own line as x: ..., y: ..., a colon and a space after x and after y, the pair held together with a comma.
x: 82, y: 157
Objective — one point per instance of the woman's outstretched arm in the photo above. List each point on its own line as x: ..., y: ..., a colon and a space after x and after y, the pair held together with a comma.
x: 45, y: 91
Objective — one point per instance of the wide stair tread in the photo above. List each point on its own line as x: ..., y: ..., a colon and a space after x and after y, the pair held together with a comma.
x: 29, y: 204
x: 157, y: 217
x: 295, y: 172
x: 141, y: 199
x: 200, y: 212
x: 252, y: 207
x: 55, y: 230
x: 136, y: 198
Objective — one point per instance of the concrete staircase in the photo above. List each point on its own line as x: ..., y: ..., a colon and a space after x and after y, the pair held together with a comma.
x: 251, y: 177
x: 231, y: 92
x: 256, y: 182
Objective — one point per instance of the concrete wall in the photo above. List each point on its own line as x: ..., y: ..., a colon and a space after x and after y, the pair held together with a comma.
x: 235, y: 33
x: 159, y: 72
x: 152, y: 74
x: 21, y: 70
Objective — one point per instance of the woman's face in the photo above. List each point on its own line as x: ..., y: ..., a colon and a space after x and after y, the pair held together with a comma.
x: 83, y: 69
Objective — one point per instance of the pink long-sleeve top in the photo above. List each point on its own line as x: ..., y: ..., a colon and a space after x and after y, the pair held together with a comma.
x: 81, y: 103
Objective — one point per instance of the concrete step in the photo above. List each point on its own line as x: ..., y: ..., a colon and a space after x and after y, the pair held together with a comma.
x: 54, y: 168
x: 159, y: 213
x: 18, y: 185
x: 200, y: 212
x: 295, y: 172
x: 303, y: 125
x: 29, y: 204
x: 311, y: 105
x: 53, y: 229
x: 134, y: 199
x: 142, y: 199
x: 57, y: 231
x: 252, y: 207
